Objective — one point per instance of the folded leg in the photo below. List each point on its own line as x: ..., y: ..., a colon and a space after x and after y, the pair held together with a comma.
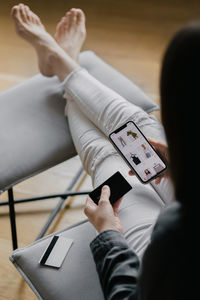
x: 105, y: 108
x: 102, y: 108
x: 141, y: 206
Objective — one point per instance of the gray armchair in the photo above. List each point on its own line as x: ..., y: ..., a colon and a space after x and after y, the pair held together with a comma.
x: 35, y: 136
x: 34, y: 132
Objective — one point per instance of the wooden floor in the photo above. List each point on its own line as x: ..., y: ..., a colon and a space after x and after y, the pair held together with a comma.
x: 129, y: 34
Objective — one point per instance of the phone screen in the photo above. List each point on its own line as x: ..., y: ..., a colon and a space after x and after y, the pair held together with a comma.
x: 137, y: 152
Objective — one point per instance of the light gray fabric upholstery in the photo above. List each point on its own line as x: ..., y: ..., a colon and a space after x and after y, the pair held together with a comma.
x: 34, y: 136
x: 76, y: 279
x: 34, y: 133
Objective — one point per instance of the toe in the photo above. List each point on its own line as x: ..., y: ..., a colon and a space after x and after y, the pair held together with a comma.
x: 36, y: 19
x: 69, y: 17
x: 16, y: 15
x: 61, y: 25
x: 80, y: 16
x: 64, y: 22
x: 73, y: 15
x: 22, y: 12
x: 28, y: 13
x: 14, y: 11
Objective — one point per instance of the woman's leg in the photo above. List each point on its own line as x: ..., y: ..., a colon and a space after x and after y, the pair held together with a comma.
x: 52, y: 59
x: 91, y: 144
x: 108, y: 110
x: 105, y: 108
x: 70, y: 35
x: 141, y: 206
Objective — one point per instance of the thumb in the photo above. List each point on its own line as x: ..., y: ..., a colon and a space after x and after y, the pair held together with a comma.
x: 105, y: 194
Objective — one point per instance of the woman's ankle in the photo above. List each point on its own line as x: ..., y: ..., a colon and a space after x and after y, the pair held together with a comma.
x: 62, y: 65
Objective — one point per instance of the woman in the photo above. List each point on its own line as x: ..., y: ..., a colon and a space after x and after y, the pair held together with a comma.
x: 168, y: 270
x: 93, y: 112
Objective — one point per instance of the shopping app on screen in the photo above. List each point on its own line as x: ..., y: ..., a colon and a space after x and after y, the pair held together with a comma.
x: 138, y: 152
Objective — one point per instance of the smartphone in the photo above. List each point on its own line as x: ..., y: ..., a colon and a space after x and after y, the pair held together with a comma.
x: 119, y: 186
x: 138, y: 153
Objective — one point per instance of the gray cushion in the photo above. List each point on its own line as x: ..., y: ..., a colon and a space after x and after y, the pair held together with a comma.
x: 34, y: 133
x: 35, y: 136
x: 76, y: 279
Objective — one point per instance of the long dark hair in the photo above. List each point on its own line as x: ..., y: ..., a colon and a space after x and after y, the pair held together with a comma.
x: 180, y: 99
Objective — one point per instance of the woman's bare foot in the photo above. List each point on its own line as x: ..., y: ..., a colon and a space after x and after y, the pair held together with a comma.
x: 71, y: 32
x: 52, y: 59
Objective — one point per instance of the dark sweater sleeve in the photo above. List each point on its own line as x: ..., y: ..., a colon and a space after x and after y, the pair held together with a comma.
x: 117, y: 265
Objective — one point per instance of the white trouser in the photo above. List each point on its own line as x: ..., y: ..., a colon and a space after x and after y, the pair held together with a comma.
x: 93, y: 112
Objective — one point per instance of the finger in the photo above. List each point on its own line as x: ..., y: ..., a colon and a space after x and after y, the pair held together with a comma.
x: 155, y: 143
x: 117, y: 204
x: 158, y: 180
x: 131, y: 173
x: 105, y: 194
x: 152, y: 140
x: 90, y: 207
x: 160, y: 147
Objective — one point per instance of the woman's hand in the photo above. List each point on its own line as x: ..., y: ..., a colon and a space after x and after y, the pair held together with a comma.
x: 103, y: 216
x: 163, y: 151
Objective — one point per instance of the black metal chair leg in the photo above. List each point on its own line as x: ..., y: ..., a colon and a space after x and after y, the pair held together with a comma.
x: 63, y: 197
x: 12, y: 218
x: 59, y: 205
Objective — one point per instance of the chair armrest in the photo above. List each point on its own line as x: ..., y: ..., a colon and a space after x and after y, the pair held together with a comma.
x: 34, y: 132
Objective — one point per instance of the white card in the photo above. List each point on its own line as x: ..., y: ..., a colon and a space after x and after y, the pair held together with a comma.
x: 56, y: 251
